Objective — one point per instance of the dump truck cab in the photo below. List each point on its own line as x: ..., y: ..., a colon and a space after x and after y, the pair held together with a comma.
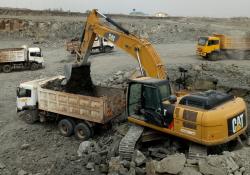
x: 103, y: 45
x: 27, y: 95
x: 207, y: 46
x: 35, y: 54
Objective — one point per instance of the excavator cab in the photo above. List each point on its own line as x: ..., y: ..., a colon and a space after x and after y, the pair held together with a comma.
x: 150, y: 100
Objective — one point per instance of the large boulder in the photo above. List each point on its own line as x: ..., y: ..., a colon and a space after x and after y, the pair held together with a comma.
x: 90, y: 166
x: 150, y: 167
x: 208, y: 169
x: 2, y: 166
x: 22, y: 172
x: 190, y: 171
x: 139, y: 158
x: 115, y: 166
x: 84, y: 147
x: 172, y: 164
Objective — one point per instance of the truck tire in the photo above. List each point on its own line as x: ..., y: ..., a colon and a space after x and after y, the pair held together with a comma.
x: 214, y: 56
x: 34, y: 66
x: 82, y: 131
x: 7, y: 68
x: 66, y: 128
x: 72, y: 121
x: 30, y: 116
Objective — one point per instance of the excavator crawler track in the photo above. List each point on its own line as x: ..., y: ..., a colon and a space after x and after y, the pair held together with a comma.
x: 128, y: 142
x: 197, y: 151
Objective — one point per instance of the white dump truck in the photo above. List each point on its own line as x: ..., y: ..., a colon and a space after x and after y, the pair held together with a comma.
x: 100, y: 45
x: 76, y: 114
x: 20, y: 58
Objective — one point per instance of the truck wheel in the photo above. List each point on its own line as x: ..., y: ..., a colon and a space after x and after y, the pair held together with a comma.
x: 30, y: 116
x: 66, y: 128
x: 7, y: 68
x: 214, y: 56
x: 72, y: 122
x: 34, y: 66
x: 82, y: 131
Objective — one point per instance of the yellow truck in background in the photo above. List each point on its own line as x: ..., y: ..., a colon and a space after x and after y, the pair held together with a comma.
x: 220, y: 46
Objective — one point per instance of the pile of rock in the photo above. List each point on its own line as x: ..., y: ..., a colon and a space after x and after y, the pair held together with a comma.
x: 102, y: 157
x: 118, y: 79
x: 95, y: 155
x: 172, y: 164
x: 221, y: 164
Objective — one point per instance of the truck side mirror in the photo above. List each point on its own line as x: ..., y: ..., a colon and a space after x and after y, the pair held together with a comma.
x: 172, y: 99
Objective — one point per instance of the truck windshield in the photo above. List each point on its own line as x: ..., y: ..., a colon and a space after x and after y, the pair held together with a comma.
x: 165, y: 91
x: 21, y: 92
x: 35, y: 54
x: 202, y: 41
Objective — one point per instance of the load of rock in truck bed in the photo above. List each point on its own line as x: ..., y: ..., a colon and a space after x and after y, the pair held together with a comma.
x: 79, y: 83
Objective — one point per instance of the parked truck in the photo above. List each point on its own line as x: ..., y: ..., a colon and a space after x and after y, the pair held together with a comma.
x: 100, y: 45
x: 20, y: 58
x: 220, y: 46
x: 75, y: 113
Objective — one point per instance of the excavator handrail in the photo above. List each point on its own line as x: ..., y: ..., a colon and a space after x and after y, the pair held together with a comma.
x: 140, y: 49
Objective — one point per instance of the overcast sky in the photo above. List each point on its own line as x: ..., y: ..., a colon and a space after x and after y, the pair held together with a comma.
x: 214, y: 8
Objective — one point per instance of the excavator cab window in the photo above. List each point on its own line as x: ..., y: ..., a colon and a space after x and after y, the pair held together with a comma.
x: 151, y: 100
x: 143, y: 96
x: 165, y: 91
x: 145, y: 102
x: 134, y: 98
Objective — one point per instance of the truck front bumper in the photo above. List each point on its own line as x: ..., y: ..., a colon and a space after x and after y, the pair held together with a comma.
x: 201, y: 54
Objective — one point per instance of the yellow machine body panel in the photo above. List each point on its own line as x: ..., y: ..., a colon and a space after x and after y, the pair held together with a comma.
x: 207, y: 127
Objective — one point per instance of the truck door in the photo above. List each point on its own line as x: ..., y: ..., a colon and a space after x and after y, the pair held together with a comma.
x: 214, y: 45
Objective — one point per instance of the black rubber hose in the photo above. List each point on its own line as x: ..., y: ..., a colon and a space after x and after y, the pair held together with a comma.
x: 117, y: 25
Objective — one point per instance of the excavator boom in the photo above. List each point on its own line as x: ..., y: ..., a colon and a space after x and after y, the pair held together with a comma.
x: 140, y: 49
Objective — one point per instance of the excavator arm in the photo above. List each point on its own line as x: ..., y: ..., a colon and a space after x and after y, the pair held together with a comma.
x: 140, y: 49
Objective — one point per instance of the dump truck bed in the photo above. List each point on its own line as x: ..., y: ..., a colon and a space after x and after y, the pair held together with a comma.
x: 12, y: 55
x: 108, y: 103
x: 233, y: 43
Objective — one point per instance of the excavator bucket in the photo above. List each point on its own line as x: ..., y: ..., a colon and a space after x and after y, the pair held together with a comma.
x: 78, y: 78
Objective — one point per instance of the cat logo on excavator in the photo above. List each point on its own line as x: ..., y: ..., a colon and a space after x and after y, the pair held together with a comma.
x: 235, y: 124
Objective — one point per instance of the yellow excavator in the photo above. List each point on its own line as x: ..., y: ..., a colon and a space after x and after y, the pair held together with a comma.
x: 207, y: 118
